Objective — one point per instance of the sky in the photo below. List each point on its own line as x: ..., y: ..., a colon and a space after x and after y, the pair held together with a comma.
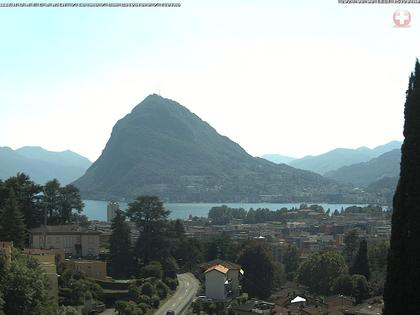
x: 293, y: 77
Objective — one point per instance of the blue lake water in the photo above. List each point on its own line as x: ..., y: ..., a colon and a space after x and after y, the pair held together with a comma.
x: 96, y: 210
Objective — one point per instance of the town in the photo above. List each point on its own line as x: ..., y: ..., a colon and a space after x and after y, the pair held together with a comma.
x: 218, y: 261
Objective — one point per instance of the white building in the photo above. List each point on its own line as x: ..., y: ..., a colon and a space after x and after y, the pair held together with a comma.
x: 111, y: 210
x: 222, y: 280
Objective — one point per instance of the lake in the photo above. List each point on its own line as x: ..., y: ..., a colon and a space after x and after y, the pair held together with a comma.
x: 96, y: 210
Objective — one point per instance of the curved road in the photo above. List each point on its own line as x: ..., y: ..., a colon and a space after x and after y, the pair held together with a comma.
x: 184, y: 294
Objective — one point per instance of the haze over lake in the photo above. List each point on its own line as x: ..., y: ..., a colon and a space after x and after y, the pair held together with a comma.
x: 96, y: 210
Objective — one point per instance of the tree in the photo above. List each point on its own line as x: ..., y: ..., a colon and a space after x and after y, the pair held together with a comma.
x: 69, y: 200
x: 60, y: 202
x: 221, y: 247
x: 75, y: 288
x: 319, y: 271
x: 127, y: 308
x: 147, y: 289
x: 361, y: 265
x: 343, y: 284
x: 120, y: 252
x: 360, y: 288
x: 403, y: 275
x: 12, y: 225
x: 355, y: 285
x: 25, y: 287
x: 351, y: 244
x: 378, y: 253
x: 51, y: 200
x: 291, y: 259
x: 153, y: 269
x: 27, y: 198
x: 151, y: 220
x: 258, y: 269
x: 189, y: 253
x: 67, y: 310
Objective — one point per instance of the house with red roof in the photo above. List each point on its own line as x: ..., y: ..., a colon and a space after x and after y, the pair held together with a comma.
x: 222, y: 280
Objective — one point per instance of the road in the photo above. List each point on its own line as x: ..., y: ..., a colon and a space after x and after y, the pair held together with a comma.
x: 183, y: 296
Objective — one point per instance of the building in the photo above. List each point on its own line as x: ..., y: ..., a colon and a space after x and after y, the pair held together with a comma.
x: 73, y: 239
x: 221, y: 280
x: 254, y: 307
x: 91, y: 268
x: 111, y: 210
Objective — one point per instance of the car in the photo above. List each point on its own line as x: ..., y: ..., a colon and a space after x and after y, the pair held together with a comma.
x: 170, y: 312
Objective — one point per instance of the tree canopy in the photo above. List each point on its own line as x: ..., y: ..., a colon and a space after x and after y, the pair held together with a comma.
x: 24, y: 287
x: 150, y: 218
x: 361, y: 264
x: 12, y: 226
x: 258, y: 269
x: 403, y: 275
x: 120, y: 251
x: 319, y: 271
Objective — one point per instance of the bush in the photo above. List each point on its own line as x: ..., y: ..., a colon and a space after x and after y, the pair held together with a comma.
x: 172, y: 283
x: 170, y: 268
x: 343, y: 284
x: 133, y: 292
x: 144, y: 299
x: 211, y: 308
x: 147, y: 289
x: 162, y: 289
x: 144, y: 307
x: 155, y: 301
x: 67, y: 310
x: 154, y: 269
x: 360, y: 288
x: 197, y: 306
x: 242, y: 298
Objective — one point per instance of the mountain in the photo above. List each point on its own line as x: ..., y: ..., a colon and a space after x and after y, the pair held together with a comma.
x: 162, y: 148
x: 66, y: 158
x: 42, y: 165
x: 340, y: 157
x: 278, y: 158
x: 384, y: 187
x: 379, y: 150
x: 363, y: 174
x: 330, y: 161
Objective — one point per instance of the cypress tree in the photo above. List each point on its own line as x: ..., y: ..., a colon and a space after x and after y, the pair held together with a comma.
x: 401, y: 294
x: 361, y: 264
x: 120, y: 254
x: 12, y: 224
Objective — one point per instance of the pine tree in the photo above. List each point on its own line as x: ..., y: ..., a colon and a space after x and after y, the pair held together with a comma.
x: 12, y: 224
x: 150, y: 217
x: 120, y: 254
x: 402, y: 286
x: 361, y: 264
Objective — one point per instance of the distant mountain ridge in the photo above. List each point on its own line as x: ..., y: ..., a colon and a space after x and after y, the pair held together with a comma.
x: 66, y: 157
x: 362, y: 174
x: 337, y: 158
x: 164, y: 149
x: 42, y: 165
x: 278, y: 158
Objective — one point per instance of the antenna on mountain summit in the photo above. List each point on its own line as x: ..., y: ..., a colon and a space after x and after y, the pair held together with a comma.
x: 159, y: 90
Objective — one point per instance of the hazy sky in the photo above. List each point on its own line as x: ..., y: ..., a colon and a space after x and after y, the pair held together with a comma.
x: 294, y: 77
